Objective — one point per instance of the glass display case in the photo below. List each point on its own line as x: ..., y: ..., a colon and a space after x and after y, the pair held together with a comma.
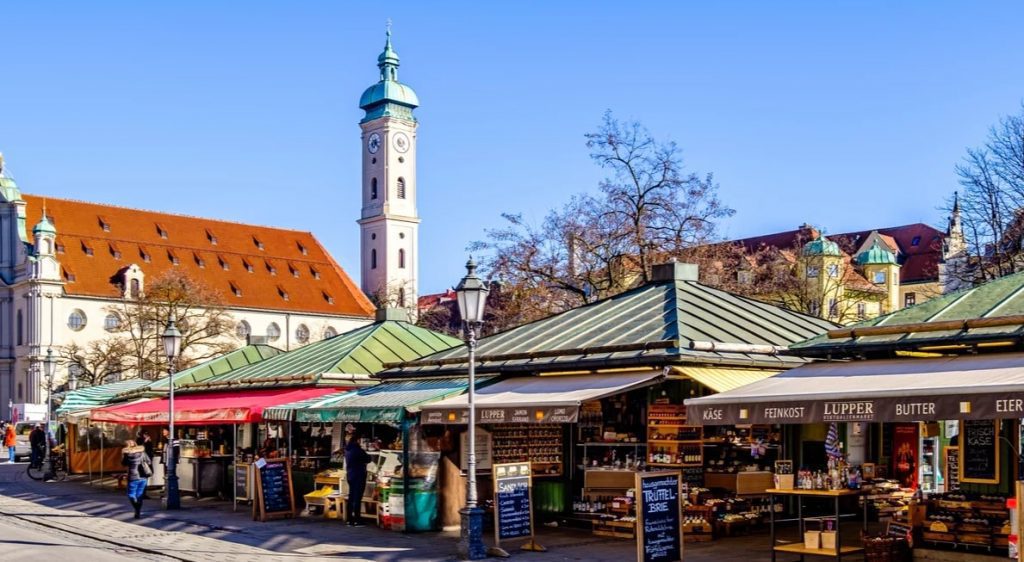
x: 195, y: 448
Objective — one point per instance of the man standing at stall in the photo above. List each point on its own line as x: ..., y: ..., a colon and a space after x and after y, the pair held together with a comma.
x: 356, y: 460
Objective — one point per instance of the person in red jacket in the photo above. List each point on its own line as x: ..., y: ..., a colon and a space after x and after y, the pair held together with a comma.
x: 10, y: 441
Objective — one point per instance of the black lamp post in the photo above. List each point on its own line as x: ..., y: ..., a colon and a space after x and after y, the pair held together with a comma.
x: 172, y: 345
x: 472, y: 297
x: 49, y: 368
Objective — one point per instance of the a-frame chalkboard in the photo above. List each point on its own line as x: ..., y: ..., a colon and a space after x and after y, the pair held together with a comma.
x: 274, y: 494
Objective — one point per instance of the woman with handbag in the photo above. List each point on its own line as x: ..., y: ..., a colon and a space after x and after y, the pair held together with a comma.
x: 139, y: 470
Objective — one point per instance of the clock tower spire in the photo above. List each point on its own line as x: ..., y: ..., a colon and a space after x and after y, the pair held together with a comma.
x: 389, y: 223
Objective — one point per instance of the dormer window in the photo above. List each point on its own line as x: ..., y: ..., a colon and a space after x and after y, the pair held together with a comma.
x: 172, y: 257
x: 314, y: 272
x: 257, y: 242
x: 302, y: 249
x: 248, y: 266
x: 86, y: 249
x: 143, y: 254
x: 282, y: 293
x: 115, y: 252
x: 60, y: 248
x: 211, y: 237
x: 104, y: 225
x: 199, y: 260
x: 293, y: 270
x: 271, y: 269
x: 328, y: 297
x: 223, y: 264
x: 161, y: 231
x: 69, y: 276
x: 235, y: 290
x: 915, y: 241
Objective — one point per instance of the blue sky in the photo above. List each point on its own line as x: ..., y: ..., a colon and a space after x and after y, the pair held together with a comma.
x: 847, y: 115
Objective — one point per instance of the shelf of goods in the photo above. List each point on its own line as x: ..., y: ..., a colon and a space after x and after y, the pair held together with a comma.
x: 885, y: 498
x: 670, y: 441
x: 957, y: 520
x: 697, y: 524
x: 541, y: 445
x: 605, y: 500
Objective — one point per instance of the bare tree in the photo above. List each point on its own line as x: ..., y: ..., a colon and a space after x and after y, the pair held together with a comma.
x: 97, y: 362
x: 597, y: 245
x: 991, y: 203
x: 197, y: 310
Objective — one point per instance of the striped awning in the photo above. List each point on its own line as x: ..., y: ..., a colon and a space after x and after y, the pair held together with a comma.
x: 286, y: 412
x: 96, y: 396
x: 721, y: 379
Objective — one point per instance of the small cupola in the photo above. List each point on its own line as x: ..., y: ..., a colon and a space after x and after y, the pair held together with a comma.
x: 876, y: 255
x: 821, y: 246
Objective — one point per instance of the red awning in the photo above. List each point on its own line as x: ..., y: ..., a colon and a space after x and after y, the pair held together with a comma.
x: 244, y: 406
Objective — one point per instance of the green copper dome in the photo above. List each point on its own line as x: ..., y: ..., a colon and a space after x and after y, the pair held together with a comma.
x: 821, y: 246
x: 877, y: 255
x: 8, y: 188
x: 44, y: 226
x: 388, y: 97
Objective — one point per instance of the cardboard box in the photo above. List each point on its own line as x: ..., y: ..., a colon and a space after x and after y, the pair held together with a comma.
x: 828, y: 540
x: 812, y: 539
x: 784, y: 481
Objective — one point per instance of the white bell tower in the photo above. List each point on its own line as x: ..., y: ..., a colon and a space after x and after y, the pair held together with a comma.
x: 389, y: 221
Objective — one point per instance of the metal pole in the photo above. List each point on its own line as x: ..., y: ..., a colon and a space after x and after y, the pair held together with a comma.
x: 172, y: 496
x: 471, y: 545
x: 47, y: 459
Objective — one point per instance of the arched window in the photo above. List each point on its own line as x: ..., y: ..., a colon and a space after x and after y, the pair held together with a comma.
x: 273, y: 332
x: 242, y: 330
x: 401, y: 296
x: 329, y: 333
x: 373, y: 188
x: 302, y: 334
x: 373, y: 259
x: 21, y: 329
x: 401, y: 259
x: 401, y: 188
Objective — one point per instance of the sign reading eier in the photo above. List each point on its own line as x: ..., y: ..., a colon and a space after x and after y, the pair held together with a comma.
x: 659, y: 531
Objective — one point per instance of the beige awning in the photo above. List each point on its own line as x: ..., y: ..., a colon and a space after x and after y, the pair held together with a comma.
x: 721, y: 379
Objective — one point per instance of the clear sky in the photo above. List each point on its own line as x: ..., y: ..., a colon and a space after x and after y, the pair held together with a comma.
x: 847, y: 115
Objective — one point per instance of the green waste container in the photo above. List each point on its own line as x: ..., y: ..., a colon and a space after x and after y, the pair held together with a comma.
x: 420, y: 504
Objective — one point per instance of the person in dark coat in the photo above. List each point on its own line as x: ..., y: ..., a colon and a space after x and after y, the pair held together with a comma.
x: 356, y: 460
x: 37, y: 444
x: 132, y: 457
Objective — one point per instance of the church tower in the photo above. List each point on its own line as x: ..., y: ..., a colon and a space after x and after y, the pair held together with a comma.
x: 389, y: 222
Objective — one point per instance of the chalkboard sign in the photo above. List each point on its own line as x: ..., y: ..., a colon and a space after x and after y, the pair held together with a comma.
x: 659, y: 530
x: 694, y: 476
x: 979, y: 451
x: 513, y: 517
x: 952, y: 469
x: 274, y: 496
x: 241, y: 481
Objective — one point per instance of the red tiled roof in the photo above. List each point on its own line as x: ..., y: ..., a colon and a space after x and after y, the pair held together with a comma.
x: 919, y: 262
x: 118, y: 237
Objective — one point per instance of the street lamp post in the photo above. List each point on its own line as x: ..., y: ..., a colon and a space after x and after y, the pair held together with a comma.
x: 472, y: 297
x: 172, y: 345
x: 49, y: 368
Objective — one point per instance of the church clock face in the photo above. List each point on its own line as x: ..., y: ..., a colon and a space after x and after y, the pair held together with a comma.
x: 401, y: 142
x: 373, y: 143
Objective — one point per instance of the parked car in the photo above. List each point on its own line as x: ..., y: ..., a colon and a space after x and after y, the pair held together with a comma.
x: 21, y: 430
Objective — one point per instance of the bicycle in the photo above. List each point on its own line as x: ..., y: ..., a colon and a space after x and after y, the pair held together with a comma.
x: 37, y: 471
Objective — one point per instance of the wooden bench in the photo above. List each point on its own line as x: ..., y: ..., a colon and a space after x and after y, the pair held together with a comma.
x: 369, y: 509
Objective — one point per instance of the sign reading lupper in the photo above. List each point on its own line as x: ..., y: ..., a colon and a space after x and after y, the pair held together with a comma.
x: 659, y: 529
x: 884, y: 409
x: 491, y: 415
x: 979, y: 451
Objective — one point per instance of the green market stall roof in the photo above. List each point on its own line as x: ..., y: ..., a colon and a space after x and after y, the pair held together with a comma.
x: 387, y: 402
x: 96, y: 396
x: 242, y: 357
x: 987, y: 316
x: 672, y: 320
x: 346, y: 359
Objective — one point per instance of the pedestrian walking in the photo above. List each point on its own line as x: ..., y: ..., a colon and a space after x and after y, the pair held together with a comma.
x: 356, y: 460
x: 10, y: 441
x: 139, y: 470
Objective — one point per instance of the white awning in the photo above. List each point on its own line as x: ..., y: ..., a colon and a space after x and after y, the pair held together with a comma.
x: 907, y: 389
x: 536, y: 399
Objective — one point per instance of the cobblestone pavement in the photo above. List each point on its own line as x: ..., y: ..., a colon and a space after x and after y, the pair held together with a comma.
x: 208, y: 529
